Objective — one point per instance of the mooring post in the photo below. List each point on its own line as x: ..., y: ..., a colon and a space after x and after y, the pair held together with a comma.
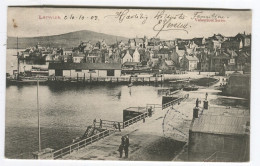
x: 77, y: 77
x: 149, y: 80
x: 84, y: 78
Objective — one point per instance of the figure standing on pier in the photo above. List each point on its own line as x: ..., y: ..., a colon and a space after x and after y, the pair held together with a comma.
x: 197, y: 102
x: 126, y: 146
x: 94, y: 123
x: 121, y: 146
x: 100, y: 123
x: 206, y: 95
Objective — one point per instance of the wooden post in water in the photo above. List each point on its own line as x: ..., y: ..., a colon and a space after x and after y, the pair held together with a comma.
x: 84, y: 78
x: 77, y: 77
x: 149, y: 80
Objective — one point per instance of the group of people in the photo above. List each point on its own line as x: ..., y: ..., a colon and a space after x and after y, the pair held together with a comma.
x: 124, y: 146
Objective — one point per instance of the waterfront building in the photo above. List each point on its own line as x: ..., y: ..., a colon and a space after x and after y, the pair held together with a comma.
x: 78, y: 57
x: 190, y: 63
x: 136, y: 56
x: 85, y: 69
x: 127, y: 56
x: 67, y: 51
x: 138, y: 42
x: 164, y: 53
x: 199, y: 41
x: 238, y: 85
x: 244, y: 39
x: 219, y: 137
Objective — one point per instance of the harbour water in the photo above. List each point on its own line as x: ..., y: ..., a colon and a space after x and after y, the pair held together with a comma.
x: 66, y: 111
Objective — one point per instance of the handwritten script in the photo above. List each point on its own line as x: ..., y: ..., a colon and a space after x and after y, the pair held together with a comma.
x: 167, y: 22
x: 164, y: 21
x: 160, y: 21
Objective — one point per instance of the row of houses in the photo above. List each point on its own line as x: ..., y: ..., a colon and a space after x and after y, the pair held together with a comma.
x: 215, y: 53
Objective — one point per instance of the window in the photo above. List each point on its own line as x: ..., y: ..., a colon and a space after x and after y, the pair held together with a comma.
x: 78, y: 70
x: 110, y: 72
x: 58, y: 72
x: 232, y: 61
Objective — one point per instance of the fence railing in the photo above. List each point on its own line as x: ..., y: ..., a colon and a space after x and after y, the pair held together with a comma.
x: 83, y: 143
x: 110, y: 127
x: 105, y: 79
x: 135, y: 119
x: 166, y: 105
x: 109, y: 124
x: 153, y: 106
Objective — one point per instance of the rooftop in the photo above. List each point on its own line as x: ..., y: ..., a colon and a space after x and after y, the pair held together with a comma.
x: 192, y: 58
x: 219, y: 124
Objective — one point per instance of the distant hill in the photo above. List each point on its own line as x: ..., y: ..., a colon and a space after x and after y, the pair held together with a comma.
x: 66, y: 40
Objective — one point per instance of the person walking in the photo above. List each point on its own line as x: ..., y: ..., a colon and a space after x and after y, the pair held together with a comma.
x: 126, y: 146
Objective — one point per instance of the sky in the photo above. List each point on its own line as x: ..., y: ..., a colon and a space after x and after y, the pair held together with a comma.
x: 162, y: 23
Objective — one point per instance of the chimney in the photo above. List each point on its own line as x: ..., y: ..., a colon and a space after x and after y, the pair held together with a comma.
x: 195, y: 112
x: 205, y: 104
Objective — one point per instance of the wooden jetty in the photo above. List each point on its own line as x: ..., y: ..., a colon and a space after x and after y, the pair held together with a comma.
x: 104, y: 128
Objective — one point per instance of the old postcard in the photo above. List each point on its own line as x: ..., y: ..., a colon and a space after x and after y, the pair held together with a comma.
x: 134, y: 84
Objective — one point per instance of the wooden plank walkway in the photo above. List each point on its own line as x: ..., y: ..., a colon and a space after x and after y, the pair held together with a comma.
x: 147, y: 143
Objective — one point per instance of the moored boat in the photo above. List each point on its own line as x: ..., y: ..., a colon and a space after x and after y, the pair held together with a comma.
x: 190, y: 88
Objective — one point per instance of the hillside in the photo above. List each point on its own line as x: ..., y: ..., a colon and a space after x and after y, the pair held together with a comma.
x: 66, y: 40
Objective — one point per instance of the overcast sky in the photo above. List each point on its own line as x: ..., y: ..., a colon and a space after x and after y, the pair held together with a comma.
x: 26, y: 22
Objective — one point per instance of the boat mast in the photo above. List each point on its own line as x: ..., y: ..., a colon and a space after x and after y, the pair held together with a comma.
x: 39, y: 128
x: 18, y: 61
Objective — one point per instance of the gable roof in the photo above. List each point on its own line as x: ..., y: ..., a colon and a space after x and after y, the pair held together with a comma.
x: 164, y: 51
x: 219, y: 124
x: 85, y: 66
x: 131, y: 52
x: 192, y: 58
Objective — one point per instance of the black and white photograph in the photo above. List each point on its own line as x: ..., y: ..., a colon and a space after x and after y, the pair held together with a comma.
x: 128, y: 84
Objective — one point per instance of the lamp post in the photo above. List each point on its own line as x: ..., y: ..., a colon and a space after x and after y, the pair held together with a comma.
x: 39, y: 128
